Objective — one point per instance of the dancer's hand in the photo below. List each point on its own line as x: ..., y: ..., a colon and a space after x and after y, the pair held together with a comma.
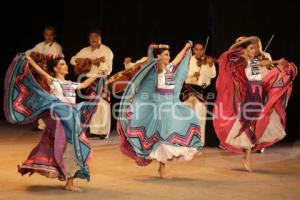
x: 163, y: 46
x: 189, y: 44
x: 127, y: 60
x: 29, y: 60
x: 159, y: 46
x: 39, y: 70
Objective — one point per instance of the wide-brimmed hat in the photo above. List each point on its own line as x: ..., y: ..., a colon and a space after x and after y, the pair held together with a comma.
x: 243, y: 40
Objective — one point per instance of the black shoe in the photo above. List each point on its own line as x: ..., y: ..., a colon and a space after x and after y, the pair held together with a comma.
x: 91, y: 135
x: 102, y: 137
x: 35, y: 129
x: 261, y: 151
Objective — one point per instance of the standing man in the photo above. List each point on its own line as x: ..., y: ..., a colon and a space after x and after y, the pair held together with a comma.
x: 90, y: 58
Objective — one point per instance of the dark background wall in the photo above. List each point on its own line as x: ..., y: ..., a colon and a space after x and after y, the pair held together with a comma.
x: 129, y: 26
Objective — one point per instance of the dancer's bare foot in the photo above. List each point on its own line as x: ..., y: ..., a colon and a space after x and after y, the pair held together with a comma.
x: 73, y: 188
x: 162, y: 172
x: 247, y: 160
x: 70, y: 186
x: 246, y: 164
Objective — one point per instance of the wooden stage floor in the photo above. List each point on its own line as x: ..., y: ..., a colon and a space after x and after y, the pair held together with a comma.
x: 215, y: 174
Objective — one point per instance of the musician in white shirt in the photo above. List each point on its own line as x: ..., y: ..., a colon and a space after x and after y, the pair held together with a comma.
x: 49, y: 46
x: 201, y: 71
x: 201, y: 67
x: 100, y: 56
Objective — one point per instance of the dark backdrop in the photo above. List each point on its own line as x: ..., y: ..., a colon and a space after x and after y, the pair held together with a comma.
x: 129, y: 26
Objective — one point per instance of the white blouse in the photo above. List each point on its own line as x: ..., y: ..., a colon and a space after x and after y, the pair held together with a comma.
x: 165, y: 79
x: 253, y: 71
x: 64, y: 90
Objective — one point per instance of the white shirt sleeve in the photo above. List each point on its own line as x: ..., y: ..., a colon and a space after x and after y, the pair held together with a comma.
x: 193, y: 67
x: 47, y: 49
x: 59, y: 48
x: 107, y: 65
x: 213, y: 71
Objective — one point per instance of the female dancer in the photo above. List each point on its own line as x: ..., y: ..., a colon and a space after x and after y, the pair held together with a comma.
x: 154, y: 123
x: 63, y: 151
x: 249, y: 113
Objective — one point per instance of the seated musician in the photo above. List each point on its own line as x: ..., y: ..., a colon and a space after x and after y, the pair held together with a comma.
x: 88, y: 60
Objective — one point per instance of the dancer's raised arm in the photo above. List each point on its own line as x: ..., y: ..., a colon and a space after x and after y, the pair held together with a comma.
x: 39, y: 70
x: 181, y: 54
